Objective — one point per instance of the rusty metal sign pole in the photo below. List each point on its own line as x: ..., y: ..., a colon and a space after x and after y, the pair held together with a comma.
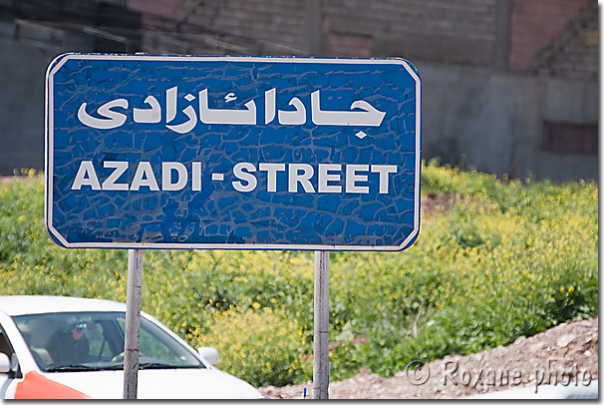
x: 321, y: 339
x: 133, y: 322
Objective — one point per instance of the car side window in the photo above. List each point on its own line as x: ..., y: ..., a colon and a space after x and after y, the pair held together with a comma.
x: 6, y: 348
x: 4, y: 345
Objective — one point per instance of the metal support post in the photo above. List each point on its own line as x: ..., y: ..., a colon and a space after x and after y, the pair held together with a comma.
x: 321, y: 350
x: 133, y: 322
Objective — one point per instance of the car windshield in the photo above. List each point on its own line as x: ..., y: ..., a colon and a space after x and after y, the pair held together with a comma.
x: 92, y: 341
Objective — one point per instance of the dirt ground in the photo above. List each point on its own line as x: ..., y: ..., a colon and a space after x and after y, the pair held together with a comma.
x: 565, y: 354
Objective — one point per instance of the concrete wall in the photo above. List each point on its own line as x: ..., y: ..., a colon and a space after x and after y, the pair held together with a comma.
x: 494, y: 121
x: 22, y: 96
x: 21, y: 106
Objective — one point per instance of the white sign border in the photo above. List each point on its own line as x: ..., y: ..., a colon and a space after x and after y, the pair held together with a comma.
x: 60, y: 60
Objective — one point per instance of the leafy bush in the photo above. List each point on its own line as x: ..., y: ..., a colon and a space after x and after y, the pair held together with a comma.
x: 260, y: 346
x: 503, y: 259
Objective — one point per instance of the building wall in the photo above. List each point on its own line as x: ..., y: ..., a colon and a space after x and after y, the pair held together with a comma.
x: 165, y: 8
x: 21, y: 106
x: 534, y: 24
x: 503, y: 34
x: 22, y: 100
x: 268, y: 20
x: 574, y: 53
x: 440, y: 31
x: 494, y: 121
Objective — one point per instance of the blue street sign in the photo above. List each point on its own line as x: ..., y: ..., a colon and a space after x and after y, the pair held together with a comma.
x: 182, y: 152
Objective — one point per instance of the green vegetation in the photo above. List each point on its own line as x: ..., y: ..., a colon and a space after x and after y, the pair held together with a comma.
x: 503, y: 259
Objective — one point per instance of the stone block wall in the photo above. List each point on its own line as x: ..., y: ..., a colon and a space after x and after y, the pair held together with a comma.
x: 440, y: 31
x: 534, y: 24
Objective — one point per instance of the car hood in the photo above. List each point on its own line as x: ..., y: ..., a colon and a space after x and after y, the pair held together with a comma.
x: 159, y: 384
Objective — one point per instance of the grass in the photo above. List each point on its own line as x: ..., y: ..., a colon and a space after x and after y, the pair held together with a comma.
x: 505, y: 259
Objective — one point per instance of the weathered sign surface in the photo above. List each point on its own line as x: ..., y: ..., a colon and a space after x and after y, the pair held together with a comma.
x: 189, y: 152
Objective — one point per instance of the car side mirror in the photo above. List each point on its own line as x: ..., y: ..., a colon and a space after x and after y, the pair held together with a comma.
x: 209, y: 354
x: 4, y: 364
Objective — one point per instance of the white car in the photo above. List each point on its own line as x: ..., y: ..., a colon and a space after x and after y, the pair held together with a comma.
x: 72, y: 348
